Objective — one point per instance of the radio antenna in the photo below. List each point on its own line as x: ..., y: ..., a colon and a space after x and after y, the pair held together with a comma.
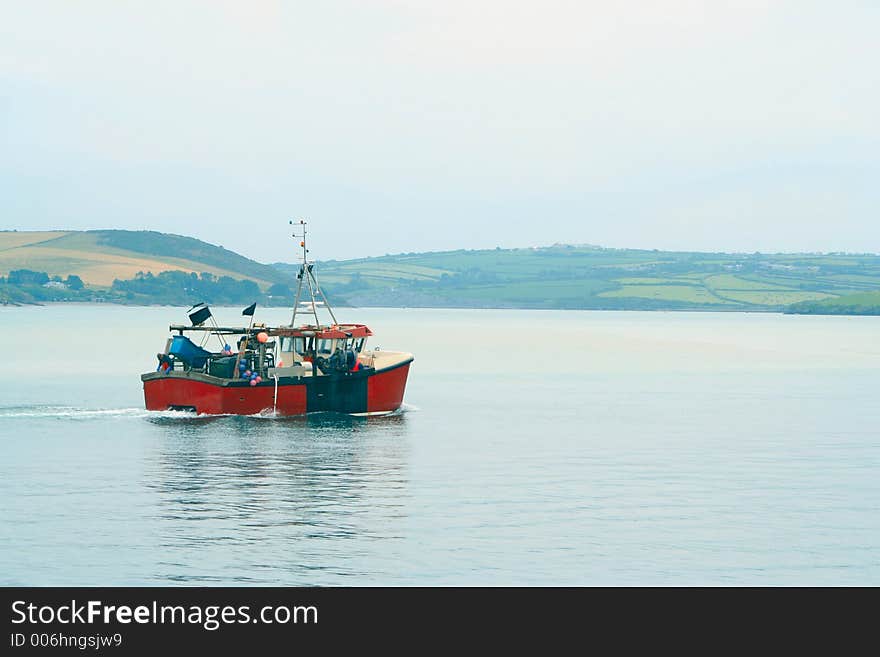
x: 306, y: 274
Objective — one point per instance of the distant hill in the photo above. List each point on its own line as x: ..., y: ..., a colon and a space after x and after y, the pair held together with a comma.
x: 122, y: 266
x: 590, y: 277
x: 864, y: 303
x: 99, y: 257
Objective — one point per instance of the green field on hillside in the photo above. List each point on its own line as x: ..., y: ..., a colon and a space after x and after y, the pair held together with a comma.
x: 593, y: 277
x: 863, y: 303
x: 150, y: 267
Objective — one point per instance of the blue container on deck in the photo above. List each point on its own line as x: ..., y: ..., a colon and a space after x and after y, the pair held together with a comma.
x: 188, y: 351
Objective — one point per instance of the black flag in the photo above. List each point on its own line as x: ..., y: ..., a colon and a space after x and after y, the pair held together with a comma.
x: 249, y: 310
x: 199, y: 313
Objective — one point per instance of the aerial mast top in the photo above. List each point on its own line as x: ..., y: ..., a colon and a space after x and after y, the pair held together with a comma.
x: 307, y: 274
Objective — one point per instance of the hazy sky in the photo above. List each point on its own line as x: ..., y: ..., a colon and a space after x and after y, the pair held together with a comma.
x: 403, y: 125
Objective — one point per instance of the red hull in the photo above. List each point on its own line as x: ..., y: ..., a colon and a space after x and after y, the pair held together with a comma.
x: 385, y: 390
x: 370, y: 392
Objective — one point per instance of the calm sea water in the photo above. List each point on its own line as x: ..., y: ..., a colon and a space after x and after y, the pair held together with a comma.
x: 534, y: 448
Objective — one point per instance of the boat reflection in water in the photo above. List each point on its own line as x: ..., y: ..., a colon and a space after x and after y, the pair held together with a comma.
x: 315, y: 493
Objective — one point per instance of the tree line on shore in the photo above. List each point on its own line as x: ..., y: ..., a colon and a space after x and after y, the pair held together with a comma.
x: 167, y: 288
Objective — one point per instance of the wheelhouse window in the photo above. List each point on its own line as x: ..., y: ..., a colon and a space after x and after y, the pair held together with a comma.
x: 357, y: 344
x: 293, y: 344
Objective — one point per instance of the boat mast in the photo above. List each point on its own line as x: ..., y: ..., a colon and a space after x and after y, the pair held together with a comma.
x: 307, y: 274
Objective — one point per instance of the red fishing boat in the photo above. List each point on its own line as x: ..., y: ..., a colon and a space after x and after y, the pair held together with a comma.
x: 284, y: 370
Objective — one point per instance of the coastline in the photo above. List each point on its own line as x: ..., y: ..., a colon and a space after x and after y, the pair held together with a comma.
x: 751, y: 311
